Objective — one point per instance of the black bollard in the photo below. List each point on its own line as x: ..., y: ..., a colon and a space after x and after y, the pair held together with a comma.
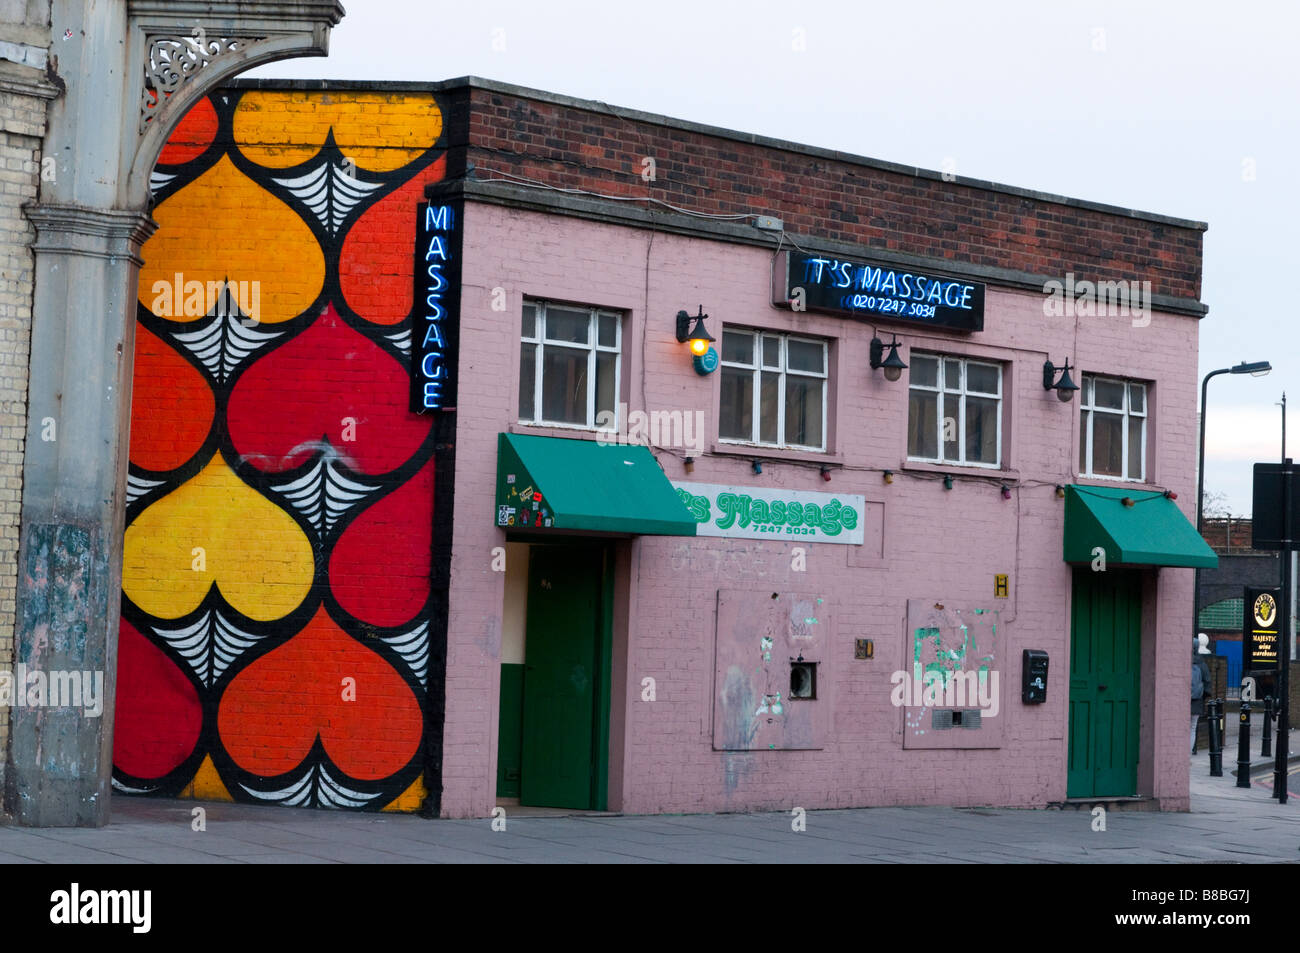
x: 1243, y: 747
x: 1266, y: 740
x: 1214, y: 711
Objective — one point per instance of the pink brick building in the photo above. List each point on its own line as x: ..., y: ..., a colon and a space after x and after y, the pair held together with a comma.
x: 907, y: 523
x: 757, y: 668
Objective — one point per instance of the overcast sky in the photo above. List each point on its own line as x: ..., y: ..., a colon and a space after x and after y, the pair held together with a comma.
x: 1191, y: 109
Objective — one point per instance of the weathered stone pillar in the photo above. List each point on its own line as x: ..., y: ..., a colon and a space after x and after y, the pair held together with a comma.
x: 24, y: 94
x: 128, y: 72
x: 70, y: 558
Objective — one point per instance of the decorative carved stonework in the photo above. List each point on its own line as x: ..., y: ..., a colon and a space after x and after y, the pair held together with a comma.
x: 174, y: 60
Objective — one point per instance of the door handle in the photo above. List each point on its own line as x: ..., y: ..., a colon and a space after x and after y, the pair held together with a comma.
x: 1101, y: 688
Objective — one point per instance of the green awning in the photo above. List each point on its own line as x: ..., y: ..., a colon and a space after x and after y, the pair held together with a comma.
x: 556, y: 484
x: 1151, y: 532
x: 1224, y: 615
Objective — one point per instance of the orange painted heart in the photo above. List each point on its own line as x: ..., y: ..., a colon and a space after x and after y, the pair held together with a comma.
x: 329, y: 383
x: 370, y: 727
x: 224, y: 227
x: 158, y: 715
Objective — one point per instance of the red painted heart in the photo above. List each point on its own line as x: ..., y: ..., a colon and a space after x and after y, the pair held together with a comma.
x: 158, y: 715
x: 193, y: 135
x: 171, y: 405
x: 379, y: 571
x: 329, y: 383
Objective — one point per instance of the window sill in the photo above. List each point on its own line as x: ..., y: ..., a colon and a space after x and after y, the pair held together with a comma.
x: 1090, y: 480
x: 957, y: 469
x: 751, y: 451
x: 573, y: 432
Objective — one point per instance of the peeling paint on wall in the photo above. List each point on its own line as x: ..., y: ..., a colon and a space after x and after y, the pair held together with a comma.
x: 952, y: 656
x: 759, y: 634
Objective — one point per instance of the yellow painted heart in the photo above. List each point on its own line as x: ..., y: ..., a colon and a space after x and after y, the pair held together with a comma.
x: 214, y: 528
x: 377, y: 131
x: 224, y: 227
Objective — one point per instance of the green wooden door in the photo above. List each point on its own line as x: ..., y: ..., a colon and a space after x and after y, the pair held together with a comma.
x: 561, y: 672
x: 1105, y: 658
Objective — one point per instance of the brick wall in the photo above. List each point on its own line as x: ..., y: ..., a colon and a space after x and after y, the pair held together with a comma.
x: 22, y: 127
x: 275, y: 576
x: 940, y: 544
x: 937, y: 544
x: 823, y: 194
x: 1228, y: 534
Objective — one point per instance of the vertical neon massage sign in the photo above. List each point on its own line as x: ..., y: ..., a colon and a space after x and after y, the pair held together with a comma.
x: 435, y: 328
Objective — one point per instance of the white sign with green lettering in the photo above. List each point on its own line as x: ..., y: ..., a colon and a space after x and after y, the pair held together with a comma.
x: 755, y: 513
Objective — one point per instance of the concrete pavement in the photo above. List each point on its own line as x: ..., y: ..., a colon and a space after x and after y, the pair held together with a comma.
x: 1226, y: 824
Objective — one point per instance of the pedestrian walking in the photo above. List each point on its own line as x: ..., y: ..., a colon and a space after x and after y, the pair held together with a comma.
x: 1200, y: 680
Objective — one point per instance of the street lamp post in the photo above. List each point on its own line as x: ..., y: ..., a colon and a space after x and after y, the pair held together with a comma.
x: 1255, y: 369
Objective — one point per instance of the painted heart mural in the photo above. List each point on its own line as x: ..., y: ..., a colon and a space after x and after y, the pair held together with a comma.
x: 216, y: 530
x: 186, y: 266
x: 159, y: 714
x: 283, y: 409
x: 275, y: 637
x: 382, y: 132
x: 358, y: 706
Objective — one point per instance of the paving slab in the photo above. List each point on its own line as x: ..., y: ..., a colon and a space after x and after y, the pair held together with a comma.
x: 1225, y: 824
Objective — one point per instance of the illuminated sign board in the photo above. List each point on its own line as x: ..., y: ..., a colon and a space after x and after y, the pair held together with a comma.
x: 873, y: 290
x: 435, y: 324
x: 1261, y: 628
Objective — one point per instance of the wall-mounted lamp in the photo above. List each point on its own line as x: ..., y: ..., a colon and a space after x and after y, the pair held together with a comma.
x: 1127, y: 501
x: 689, y: 464
x: 704, y: 357
x: 1006, y: 492
x: 1065, y: 387
x: 889, y: 476
x: 758, y: 466
x: 893, y: 364
x: 697, y: 336
x: 947, y: 483
x: 1170, y: 495
x: 826, y: 474
x: 1060, y: 492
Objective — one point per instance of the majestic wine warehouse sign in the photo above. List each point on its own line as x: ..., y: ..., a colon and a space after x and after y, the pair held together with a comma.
x: 867, y: 289
x: 435, y: 324
x: 1261, y: 628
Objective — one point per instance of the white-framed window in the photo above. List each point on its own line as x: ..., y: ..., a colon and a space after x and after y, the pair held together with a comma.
x: 954, y: 411
x: 773, y: 389
x: 1112, y: 428
x: 568, y: 364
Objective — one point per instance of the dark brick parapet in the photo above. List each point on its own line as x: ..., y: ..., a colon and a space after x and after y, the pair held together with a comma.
x: 506, y: 131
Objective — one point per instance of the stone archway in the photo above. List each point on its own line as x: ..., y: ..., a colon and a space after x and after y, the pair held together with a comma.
x: 91, y: 222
